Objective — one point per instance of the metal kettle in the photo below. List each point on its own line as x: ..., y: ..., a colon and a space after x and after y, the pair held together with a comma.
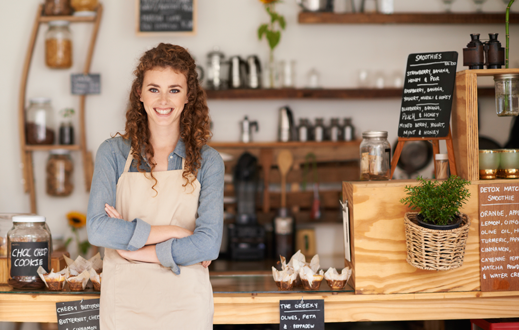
x: 246, y: 129
x: 313, y: 5
x: 286, y: 129
x: 237, y: 72
x: 215, y: 61
x: 253, y: 72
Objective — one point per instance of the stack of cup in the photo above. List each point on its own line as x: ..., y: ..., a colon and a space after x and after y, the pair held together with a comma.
x: 501, y: 163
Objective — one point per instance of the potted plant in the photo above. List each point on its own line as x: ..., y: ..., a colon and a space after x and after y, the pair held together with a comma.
x: 437, y: 234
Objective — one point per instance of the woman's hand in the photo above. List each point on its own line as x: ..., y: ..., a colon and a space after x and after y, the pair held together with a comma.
x: 144, y: 254
x: 206, y: 263
x: 112, y: 212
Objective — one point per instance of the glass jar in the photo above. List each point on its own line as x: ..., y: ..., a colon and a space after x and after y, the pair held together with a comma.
x: 302, y: 130
x: 375, y: 156
x: 319, y: 129
x: 29, y: 246
x: 59, y: 173
x: 334, y: 132
x: 348, y: 131
x: 66, y: 128
x: 58, y: 45
x: 507, y: 94
x: 39, y: 124
x: 84, y: 7
x: 57, y: 8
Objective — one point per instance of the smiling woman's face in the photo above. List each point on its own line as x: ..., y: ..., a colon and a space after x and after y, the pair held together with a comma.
x: 164, y: 95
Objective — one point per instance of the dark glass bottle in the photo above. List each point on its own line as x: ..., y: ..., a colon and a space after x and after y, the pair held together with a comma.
x: 348, y: 131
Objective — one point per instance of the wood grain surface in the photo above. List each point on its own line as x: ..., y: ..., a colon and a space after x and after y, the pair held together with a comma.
x: 379, y: 249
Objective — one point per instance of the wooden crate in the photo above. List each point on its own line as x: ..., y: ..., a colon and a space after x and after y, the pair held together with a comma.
x: 57, y: 263
x: 378, y: 244
x: 465, y: 120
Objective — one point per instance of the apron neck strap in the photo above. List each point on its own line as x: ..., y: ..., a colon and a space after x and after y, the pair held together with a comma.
x: 128, y: 161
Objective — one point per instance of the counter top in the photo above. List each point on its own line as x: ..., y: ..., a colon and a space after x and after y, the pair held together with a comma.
x: 250, y: 300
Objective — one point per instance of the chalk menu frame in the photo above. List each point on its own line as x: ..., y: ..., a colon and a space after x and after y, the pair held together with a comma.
x: 138, y: 31
x: 427, y: 96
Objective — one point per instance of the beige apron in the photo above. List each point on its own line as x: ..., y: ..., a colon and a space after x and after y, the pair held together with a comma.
x: 137, y: 295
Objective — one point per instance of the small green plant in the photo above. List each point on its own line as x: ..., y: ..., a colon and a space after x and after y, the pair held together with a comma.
x: 438, y: 202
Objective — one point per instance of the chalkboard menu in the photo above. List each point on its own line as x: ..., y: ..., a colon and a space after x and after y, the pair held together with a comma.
x: 82, y: 314
x: 161, y: 16
x: 301, y: 314
x: 27, y: 257
x: 499, y: 236
x: 427, y: 98
x: 82, y: 84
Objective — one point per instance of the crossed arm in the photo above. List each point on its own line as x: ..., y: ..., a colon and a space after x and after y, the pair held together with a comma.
x: 158, y: 234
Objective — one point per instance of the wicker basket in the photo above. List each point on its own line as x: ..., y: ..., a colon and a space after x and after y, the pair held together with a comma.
x: 432, y: 249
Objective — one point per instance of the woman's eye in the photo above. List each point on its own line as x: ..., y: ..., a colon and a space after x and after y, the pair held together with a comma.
x: 154, y: 90
x: 174, y: 91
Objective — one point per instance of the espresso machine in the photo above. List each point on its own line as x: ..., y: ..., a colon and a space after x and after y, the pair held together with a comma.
x: 246, y: 237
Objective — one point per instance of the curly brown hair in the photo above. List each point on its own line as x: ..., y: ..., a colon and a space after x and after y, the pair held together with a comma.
x: 194, y: 120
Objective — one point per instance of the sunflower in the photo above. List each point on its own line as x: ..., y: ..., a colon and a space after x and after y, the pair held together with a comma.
x: 268, y: 1
x: 76, y: 219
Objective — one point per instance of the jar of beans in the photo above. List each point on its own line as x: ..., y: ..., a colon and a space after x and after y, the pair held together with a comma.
x: 29, y: 246
x: 59, y: 173
x: 39, y: 127
x: 58, y: 45
x: 57, y: 8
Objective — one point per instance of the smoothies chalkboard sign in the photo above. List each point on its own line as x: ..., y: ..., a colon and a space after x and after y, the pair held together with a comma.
x: 301, y: 314
x: 499, y: 236
x: 427, y: 97
x: 166, y: 16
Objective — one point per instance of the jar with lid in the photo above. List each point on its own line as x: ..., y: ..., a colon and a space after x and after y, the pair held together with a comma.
x: 66, y: 128
x: 375, y: 156
x: 57, y: 8
x: 303, y: 130
x: 39, y: 126
x: 84, y: 7
x: 58, y: 45
x: 334, y: 130
x: 59, y: 173
x: 29, y: 246
x: 319, y: 129
x: 348, y: 131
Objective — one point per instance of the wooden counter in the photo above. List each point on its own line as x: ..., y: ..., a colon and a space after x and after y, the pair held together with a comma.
x: 263, y: 308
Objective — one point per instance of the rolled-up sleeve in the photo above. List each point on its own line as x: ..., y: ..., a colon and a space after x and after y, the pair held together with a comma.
x: 103, y: 230
x: 205, y: 242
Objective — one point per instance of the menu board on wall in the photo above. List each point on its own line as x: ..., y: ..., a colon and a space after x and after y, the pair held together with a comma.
x: 427, y: 96
x: 163, y: 16
x: 499, y: 236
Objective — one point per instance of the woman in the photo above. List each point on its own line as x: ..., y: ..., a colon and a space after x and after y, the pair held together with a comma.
x: 167, y: 188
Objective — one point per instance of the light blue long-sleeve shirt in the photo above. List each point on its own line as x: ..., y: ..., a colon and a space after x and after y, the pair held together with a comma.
x: 119, y: 234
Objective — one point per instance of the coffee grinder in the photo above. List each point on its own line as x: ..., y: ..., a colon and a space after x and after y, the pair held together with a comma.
x: 246, y: 236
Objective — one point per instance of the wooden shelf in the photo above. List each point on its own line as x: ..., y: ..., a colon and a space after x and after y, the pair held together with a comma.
x: 72, y: 19
x: 291, y: 144
x: 51, y: 147
x: 406, y: 18
x: 293, y: 93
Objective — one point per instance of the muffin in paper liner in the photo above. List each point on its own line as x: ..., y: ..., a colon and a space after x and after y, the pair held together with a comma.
x: 311, y: 280
x: 79, y: 282
x: 335, y: 280
x: 53, y: 281
x: 284, y: 279
x: 96, y: 279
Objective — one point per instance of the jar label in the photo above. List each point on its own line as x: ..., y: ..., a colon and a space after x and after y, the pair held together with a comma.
x: 27, y: 257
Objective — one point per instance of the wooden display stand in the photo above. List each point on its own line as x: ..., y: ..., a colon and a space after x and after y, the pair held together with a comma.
x: 465, y: 131
x: 436, y: 150
x: 27, y: 150
x: 376, y: 215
